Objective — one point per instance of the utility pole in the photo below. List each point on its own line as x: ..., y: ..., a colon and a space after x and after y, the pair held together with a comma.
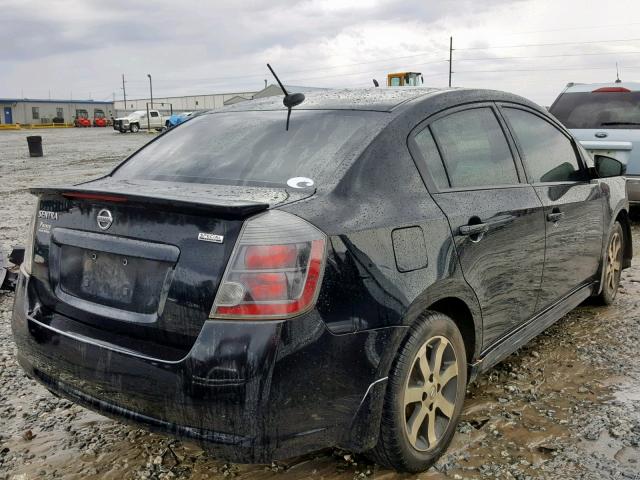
x: 150, y: 89
x: 450, y: 59
x: 124, y: 94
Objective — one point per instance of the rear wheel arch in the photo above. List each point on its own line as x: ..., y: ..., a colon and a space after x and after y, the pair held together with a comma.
x: 460, y: 313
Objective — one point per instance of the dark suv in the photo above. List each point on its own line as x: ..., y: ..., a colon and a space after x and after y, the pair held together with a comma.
x: 268, y: 292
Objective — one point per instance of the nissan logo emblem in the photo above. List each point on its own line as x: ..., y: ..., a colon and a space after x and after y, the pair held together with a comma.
x: 105, y: 219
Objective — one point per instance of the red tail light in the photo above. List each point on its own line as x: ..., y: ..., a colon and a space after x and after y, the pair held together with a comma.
x: 611, y: 90
x: 275, y: 270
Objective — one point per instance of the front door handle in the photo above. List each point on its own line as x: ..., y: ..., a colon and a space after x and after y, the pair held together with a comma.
x: 554, y: 216
x: 475, y: 229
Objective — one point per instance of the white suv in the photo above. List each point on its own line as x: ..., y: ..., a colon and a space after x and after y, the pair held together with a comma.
x: 605, y: 118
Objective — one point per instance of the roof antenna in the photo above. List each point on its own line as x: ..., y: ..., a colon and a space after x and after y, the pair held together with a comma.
x: 617, y: 74
x: 290, y: 99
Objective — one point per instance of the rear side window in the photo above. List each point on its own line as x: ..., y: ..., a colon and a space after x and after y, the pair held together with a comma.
x: 598, y: 109
x: 475, y: 150
x: 548, y: 154
x: 427, y: 147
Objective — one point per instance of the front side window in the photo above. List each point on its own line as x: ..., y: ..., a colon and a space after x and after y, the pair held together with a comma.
x: 59, y: 113
x: 35, y: 113
x: 474, y: 149
x: 154, y: 114
x: 548, y: 154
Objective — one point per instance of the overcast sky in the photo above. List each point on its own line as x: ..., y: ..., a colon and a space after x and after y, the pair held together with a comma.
x: 81, y: 48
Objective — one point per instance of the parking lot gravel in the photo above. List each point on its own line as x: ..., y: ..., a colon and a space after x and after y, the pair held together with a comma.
x: 566, y: 406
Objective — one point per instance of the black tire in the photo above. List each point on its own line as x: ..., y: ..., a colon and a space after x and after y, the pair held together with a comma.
x: 612, y: 267
x: 134, y: 127
x: 396, y: 447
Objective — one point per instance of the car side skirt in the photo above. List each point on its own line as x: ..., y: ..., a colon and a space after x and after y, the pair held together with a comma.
x: 524, y: 333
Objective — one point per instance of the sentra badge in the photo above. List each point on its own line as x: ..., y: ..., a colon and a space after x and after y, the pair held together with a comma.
x: 47, y: 215
x: 210, y: 237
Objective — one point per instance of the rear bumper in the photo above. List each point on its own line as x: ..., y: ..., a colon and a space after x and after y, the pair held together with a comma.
x: 247, y: 391
x: 633, y: 189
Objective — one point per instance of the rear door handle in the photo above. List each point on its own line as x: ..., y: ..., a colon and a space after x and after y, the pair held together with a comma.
x: 554, y: 216
x: 475, y: 229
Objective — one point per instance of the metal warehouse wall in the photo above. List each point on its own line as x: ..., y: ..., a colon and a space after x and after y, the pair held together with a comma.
x: 181, y: 104
x: 22, y: 110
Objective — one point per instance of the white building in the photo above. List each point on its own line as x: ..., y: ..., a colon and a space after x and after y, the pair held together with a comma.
x: 28, y: 111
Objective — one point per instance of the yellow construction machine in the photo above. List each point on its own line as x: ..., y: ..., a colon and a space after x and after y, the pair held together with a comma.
x: 404, y: 79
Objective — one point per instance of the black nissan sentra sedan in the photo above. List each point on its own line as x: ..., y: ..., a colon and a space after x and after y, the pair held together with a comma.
x: 267, y: 292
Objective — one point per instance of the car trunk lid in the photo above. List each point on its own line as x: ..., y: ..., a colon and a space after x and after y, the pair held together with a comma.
x: 139, y: 259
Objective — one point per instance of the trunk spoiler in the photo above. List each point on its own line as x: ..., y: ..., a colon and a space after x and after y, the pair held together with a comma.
x: 206, y: 202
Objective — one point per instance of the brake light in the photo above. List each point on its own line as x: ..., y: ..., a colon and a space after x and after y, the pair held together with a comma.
x: 275, y: 270
x: 611, y: 90
x: 94, y: 196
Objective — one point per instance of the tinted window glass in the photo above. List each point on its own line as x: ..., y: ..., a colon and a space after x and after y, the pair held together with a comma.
x: 598, y: 109
x: 548, y: 154
x: 475, y: 149
x: 253, y: 147
x: 428, y: 149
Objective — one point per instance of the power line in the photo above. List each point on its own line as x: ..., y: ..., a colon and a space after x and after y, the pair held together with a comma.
x: 542, y: 69
x: 284, y: 73
x: 550, y: 44
x: 547, y: 56
x: 589, y: 27
x: 214, y: 80
x: 218, y: 80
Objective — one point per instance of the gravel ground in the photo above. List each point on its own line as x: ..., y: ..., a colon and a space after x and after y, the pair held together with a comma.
x: 565, y: 406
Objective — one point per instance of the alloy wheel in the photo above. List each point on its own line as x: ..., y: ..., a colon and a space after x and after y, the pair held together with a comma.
x: 430, y: 393
x: 614, y: 262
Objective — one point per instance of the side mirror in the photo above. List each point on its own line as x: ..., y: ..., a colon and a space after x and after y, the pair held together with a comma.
x: 608, y: 167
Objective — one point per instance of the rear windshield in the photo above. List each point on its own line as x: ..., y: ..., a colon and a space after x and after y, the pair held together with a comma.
x: 253, y: 148
x: 598, y: 109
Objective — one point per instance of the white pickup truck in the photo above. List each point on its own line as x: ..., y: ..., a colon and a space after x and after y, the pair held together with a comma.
x: 137, y: 120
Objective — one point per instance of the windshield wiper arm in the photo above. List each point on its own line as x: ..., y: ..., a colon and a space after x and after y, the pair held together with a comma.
x: 620, y: 123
